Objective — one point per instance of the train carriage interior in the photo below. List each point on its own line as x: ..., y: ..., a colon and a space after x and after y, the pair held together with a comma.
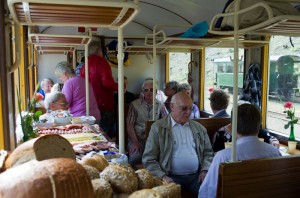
x: 249, y: 49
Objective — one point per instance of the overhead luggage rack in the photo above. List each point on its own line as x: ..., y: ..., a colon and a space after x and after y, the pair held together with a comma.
x: 54, y: 49
x: 88, y: 13
x: 53, y: 39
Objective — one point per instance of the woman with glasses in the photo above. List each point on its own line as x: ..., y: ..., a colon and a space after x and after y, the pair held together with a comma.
x: 170, y: 89
x: 74, y: 90
x: 140, y: 111
x: 186, y: 88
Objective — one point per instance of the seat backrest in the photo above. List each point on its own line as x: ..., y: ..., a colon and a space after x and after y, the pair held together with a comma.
x: 271, y: 177
x: 211, y: 125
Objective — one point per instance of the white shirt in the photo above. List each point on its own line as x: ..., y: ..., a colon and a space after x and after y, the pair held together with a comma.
x: 184, y: 158
x: 248, y: 147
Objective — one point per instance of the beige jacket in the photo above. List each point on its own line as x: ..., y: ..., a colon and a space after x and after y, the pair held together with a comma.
x: 156, y: 157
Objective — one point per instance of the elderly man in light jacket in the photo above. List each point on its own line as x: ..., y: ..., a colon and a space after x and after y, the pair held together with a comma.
x: 178, y: 149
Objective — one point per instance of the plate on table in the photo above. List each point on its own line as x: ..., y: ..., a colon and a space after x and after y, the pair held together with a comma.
x: 83, y: 120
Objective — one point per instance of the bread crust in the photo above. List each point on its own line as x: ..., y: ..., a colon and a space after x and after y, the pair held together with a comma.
x: 146, y: 179
x: 102, y: 188
x: 170, y: 190
x: 60, y: 177
x: 122, y: 178
x: 145, y: 193
x: 40, y: 148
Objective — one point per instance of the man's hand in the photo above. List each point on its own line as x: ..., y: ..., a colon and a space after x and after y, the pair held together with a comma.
x: 275, y: 142
x: 202, y: 176
x: 167, y: 179
x: 134, y: 148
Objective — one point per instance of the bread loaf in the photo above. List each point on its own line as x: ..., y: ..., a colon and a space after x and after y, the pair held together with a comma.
x: 59, y: 177
x: 53, y: 146
x: 43, y: 147
x: 122, y: 178
x: 146, y: 179
x: 171, y: 190
x: 23, y: 153
x: 102, y: 160
x: 146, y: 193
x: 92, y: 172
x: 102, y: 188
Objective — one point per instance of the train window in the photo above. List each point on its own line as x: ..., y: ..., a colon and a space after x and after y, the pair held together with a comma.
x: 219, y: 72
x: 284, y: 82
x: 178, y: 66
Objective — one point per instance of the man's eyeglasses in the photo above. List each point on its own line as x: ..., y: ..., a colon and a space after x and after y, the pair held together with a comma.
x: 148, y: 90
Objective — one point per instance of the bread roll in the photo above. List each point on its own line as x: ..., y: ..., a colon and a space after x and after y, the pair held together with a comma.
x: 102, y: 188
x: 43, y: 147
x: 92, y: 162
x: 146, y: 179
x: 59, y: 177
x: 171, y: 190
x: 92, y: 172
x: 122, y: 178
x: 146, y: 193
x: 102, y: 160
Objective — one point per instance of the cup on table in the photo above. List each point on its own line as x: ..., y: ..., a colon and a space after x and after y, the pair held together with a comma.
x: 292, y: 147
x: 228, y: 144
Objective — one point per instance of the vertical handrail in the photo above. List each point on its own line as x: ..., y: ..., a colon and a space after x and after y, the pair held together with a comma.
x: 87, y: 91
x: 121, y: 90
x: 235, y: 81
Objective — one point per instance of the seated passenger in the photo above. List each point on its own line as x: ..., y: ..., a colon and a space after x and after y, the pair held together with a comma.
x: 140, y: 111
x: 248, y: 147
x: 54, y: 101
x: 178, y: 149
x: 224, y: 135
x: 74, y: 90
x: 219, y: 101
x: 170, y: 88
x: 186, y: 88
x: 46, y: 85
x: 128, y: 96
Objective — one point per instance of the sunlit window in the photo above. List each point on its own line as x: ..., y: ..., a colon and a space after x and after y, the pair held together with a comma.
x: 219, y: 66
x: 179, y: 66
x: 283, y: 82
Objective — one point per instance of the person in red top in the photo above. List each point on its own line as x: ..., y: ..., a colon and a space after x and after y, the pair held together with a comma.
x: 104, y: 86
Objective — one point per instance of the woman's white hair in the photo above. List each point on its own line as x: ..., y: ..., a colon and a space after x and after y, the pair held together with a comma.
x: 52, y: 97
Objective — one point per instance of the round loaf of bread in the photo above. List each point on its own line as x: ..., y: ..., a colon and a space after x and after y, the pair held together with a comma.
x: 146, y: 193
x: 60, y: 177
x: 102, y: 160
x: 23, y: 153
x: 146, y: 179
x: 43, y: 147
x: 92, y: 172
x: 92, y: 162
x: 169, y: 190
x: 122, y: 178
x: 102, y: 188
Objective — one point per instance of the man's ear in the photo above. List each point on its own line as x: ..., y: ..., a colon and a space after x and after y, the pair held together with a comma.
x: 172, y: 105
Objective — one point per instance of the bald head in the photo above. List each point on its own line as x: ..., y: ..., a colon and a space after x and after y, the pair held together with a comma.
x: 181, y: 105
